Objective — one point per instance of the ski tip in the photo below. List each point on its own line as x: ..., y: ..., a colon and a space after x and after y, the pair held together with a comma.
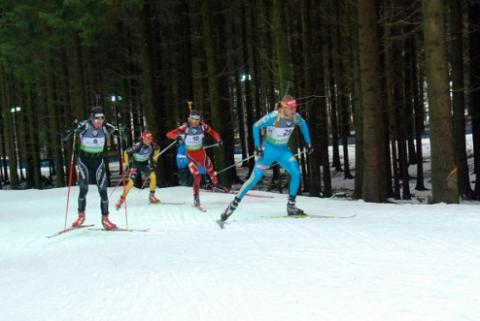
x: 69, y: 229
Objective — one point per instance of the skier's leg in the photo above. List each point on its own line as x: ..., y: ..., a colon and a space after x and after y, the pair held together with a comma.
x: 290, y: 164
x: 269, y: 156
x: 208, y: 165
x: 131, y: 181
x: 153, y: 182
x: 196, y: 178
x: 101, y: 178
x: 83, y: 184
x: 150, y: 172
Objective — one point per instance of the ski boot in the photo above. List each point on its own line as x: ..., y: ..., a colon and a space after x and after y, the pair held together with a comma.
x: 79, y: 221
x: 292, y: 209
x: 107, y: 224
x: 153, y: 199
x: 230, y: 209
x: 120, y: 202
x: 196, y: 200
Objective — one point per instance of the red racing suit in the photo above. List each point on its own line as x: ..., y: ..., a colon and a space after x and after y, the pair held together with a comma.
x: 193, y: 138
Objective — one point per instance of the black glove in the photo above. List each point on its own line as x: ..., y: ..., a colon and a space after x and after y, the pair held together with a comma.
x: 259, y: 151
x: 309, y: 149
x: 179, y: 139
x: 220, y: 143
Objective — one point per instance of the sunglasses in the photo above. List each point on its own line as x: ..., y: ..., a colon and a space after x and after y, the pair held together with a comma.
x: 100, y: 118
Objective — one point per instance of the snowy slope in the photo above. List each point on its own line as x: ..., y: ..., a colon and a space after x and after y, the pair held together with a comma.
x: 391, y: 262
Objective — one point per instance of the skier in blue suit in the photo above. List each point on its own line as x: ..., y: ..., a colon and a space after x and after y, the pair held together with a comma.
x: 279, y: 125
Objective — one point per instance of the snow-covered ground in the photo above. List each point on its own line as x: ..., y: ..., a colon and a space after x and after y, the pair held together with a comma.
x: 391, y: 262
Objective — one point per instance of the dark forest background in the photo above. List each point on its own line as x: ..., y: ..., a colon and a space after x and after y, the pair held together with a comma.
x: 380, y: 74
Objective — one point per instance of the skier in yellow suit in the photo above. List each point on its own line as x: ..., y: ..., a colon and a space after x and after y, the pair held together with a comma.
x: 143, y: 155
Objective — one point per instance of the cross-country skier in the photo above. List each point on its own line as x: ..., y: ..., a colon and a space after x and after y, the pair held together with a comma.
x: 192, y: 134
x: 279, y: 125
x: 93, y: 133
x: 143, y: 155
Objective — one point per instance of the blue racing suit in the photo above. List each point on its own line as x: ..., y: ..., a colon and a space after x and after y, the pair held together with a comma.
x: 275, y: 148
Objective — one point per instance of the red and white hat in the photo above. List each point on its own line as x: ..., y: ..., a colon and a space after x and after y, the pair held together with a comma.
x: 147, y: 135
x: 289, y: 102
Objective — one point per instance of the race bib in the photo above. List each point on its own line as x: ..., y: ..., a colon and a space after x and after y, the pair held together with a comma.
x: 92, y: 144
x: 194, y: 141
x: 279, y: 135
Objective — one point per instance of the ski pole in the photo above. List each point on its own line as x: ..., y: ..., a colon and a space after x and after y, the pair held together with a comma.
x: 118, y: 184
x: 211, y: 146
x: 235, y: 164
x: 70, y: 176
x: 156, y: 157
x: 295, y: 155
x: 164, y: 150
x: 122, y: 171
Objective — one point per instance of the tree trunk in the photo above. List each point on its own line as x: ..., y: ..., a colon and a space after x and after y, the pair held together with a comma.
x: 392, y: 134
x: 77, y: 83
x: 216, y: 105
x: 373, y: 135
x: 250, y: 87
x: 417, y: 87
x: 474, y: 32
x: 33, y: 143
x: 284, y: 67
x: 345, y: 82
x: 458, y: 85
x: 312, y: 113
x: 54, y: 132
x: 444, y: 171
x: 402, y: 117
x: 357, y: 108
x: 322, y: 89
x: 8, y: 128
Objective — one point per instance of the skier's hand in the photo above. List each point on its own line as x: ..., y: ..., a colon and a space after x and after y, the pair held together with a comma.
x: 220, y: 143
x: 259, y: 151
x: 309, y: 149
x: 179, y: 140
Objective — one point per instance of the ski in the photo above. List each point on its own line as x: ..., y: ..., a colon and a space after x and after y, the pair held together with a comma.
x: 234, y: 193
x: 69, y: 229
x: 311, y: 216
x: 121, y: 229
x: 168, y: 203
x: 201, y: 209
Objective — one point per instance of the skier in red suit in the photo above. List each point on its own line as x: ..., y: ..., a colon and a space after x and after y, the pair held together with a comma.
x: 192, y: 134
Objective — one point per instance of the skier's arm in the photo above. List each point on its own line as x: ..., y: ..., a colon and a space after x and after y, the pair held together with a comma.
x: 109, y: 128
x: 304, y: 129
x: 132, y: 149
x: 76, y: 127
x: 211, y: 132
x: 155, y: 154
x: 263, y: 122
x: 176, y: 132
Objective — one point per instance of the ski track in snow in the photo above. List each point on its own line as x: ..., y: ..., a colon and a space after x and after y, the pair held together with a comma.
x: 391, y: 262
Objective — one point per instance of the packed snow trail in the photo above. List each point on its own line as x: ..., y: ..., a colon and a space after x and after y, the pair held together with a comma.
x: 389, y: 262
